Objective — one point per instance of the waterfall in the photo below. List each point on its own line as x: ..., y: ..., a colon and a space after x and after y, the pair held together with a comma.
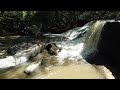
x: 92, y: 37
x: 80, y: 47
x: 77, y: 44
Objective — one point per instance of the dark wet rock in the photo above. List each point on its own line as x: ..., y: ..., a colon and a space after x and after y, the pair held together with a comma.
x: 108, y: 48
x: 109, y: 44
x: 52, y: 49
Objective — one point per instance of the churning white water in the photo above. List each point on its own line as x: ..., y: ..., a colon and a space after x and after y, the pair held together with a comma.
x: 71, y: 52
x: 81, y: 41
x: 76, y: 47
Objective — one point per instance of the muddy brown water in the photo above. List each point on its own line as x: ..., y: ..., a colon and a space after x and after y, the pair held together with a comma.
x: 80, y: 70
x: 72, y: 70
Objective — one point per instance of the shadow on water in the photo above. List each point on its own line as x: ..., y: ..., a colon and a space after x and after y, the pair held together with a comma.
x: 109, y: 48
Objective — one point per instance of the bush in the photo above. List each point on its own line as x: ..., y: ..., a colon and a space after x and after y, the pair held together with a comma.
x: 21, y: 22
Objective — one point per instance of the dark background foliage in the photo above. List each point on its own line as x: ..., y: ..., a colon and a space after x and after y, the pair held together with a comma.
x: 30, y: 22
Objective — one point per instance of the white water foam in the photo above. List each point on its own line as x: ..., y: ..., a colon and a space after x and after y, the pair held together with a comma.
x: 72, y: 34
x: 70, y: 51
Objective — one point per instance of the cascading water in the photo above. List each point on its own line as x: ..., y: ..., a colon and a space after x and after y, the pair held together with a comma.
x: 82, y: 41
x: 77, y: 44
x: 92, y: 37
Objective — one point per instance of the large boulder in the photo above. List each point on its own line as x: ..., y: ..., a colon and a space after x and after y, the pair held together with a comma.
x: 108, y: 48
x: 109, y: 44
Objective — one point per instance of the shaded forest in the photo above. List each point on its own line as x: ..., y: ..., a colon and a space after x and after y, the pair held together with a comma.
x: 36, y: 22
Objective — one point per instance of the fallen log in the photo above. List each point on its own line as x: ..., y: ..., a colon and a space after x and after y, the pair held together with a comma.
x: 44, y: 57
x: 32, y: 67
x: 36, y: 61
x: 20, y: 56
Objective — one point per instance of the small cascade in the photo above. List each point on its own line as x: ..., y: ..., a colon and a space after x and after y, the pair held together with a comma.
x: 77, y: 45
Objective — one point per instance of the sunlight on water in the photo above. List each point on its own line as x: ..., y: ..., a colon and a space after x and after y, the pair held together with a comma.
x: 80, y: 70
x: 72, y: 71
x: 70, y: 51
x: 68, y: 64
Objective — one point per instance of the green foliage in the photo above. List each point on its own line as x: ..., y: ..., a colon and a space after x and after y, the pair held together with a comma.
x: 51, y: 21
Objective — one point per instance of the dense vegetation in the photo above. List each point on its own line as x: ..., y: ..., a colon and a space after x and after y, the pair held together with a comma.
x: 30, y: 22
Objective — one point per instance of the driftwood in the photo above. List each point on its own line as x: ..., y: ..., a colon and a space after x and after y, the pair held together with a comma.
x: 32, y: 67
x: 50, y: 49
x: 24, y: 51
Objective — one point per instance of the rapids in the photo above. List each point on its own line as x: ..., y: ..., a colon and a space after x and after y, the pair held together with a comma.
x: 77, y: 45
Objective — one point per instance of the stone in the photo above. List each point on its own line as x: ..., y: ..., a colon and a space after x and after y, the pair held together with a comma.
x: 52, y: 49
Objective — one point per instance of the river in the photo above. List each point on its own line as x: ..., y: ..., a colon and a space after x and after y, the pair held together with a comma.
x: 71, y: 62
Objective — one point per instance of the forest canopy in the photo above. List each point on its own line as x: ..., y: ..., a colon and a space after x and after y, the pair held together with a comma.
x: 28, y: 22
